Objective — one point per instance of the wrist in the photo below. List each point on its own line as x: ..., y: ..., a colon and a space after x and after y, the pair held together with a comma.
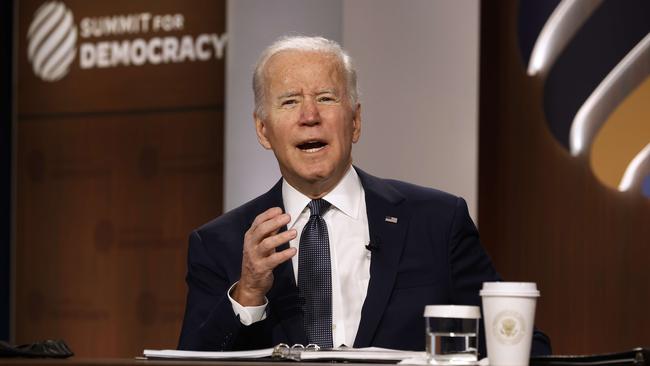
x: 246, y: 297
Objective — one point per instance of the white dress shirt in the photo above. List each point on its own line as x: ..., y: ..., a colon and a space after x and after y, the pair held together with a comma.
x: 347, y: 226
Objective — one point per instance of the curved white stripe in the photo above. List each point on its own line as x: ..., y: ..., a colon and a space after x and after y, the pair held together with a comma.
x: 561, y: 26
x: 53, y: 40
x: 626, y: 76
x: 61, y: 51
x: 636, y: 171
x: 45, y: 29
x: 40, y: 13
x: 62, y: 68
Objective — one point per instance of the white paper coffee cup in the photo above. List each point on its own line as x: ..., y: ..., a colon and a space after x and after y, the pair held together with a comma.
x: 509, y: 317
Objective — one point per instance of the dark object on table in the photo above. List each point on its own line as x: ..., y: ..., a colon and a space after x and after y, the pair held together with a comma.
x: 636, y: 357
x: 48, y: 348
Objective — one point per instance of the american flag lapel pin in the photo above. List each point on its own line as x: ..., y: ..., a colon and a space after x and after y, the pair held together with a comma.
x: 391, y: 219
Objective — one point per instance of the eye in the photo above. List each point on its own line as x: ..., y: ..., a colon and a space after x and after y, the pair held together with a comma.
x: 288, y: 102
x: 326, y: 99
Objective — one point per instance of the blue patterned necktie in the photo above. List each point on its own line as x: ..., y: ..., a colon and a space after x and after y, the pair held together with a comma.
x: 315, y: 276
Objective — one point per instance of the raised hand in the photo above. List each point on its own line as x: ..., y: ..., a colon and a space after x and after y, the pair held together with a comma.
x: 260, y: 257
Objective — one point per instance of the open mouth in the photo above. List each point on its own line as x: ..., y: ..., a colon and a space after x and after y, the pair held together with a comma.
x: 312, y: 146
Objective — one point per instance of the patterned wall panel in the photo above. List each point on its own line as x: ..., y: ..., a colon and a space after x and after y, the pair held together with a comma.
x: 119, y: 156
x: 545, y: 215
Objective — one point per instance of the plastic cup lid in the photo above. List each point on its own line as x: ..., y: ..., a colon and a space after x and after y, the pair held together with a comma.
x: 516, y: 289
x: 452, y: 311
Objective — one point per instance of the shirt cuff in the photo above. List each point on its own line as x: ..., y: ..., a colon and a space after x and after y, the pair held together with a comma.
x: 248, y: 314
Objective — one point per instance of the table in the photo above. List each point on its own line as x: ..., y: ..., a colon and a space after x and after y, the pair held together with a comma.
x: 636, y: 357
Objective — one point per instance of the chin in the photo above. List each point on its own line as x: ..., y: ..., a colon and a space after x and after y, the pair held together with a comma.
x: 317, y: 174
x: 314, y: 177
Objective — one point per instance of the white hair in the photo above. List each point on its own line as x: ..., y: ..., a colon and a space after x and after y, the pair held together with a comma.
x: 307, y: 44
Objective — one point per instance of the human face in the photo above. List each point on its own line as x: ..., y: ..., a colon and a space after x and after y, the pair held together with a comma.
x: 309, y: 123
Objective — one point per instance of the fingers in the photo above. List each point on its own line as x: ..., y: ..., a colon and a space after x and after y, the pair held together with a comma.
x: 267, y: 263
x: 267, y: 223
x: 266, y: 215
x: 268, y: 244
x: 262, y: 239
x: 280, y: 257
x: 259, y: 255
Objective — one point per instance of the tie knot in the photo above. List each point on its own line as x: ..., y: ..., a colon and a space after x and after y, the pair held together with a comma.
x: 318, y: 207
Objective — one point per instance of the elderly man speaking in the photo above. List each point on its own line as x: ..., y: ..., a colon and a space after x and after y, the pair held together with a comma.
x: 330, y: 255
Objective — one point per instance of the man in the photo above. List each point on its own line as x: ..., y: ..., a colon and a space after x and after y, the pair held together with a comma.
x: 330, y: 255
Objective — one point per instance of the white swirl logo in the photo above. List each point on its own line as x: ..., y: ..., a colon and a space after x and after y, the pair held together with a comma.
x: 52, y: 39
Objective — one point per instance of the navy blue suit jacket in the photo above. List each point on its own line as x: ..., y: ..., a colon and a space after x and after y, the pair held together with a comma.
x: 431, y: 255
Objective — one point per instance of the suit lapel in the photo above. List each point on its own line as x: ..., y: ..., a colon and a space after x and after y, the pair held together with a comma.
x: 283, y: 296
x: 387, y: 236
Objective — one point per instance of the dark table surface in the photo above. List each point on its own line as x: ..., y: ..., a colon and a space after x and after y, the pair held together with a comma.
x: 75, y: 361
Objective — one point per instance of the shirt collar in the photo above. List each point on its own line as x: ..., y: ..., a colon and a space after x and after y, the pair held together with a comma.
x: 346, y: 197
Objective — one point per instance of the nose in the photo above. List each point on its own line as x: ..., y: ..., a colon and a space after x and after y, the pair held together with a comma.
x: 309, y: 114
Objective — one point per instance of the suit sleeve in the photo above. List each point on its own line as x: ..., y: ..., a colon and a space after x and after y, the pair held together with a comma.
x: 210, y: 324
x: 471, y: 266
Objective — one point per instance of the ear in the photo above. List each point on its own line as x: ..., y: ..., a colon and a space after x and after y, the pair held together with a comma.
x: 356, y: 123
x: 261, y: 130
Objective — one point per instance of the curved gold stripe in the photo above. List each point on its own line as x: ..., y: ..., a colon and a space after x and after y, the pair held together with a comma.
x: 624, y: 78
x: 637, y: 170
x: 622, y: 136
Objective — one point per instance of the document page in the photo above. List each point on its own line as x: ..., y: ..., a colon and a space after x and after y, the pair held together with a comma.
x: 359, y: 354
x: 296, y: 354
x: 187, y: 355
